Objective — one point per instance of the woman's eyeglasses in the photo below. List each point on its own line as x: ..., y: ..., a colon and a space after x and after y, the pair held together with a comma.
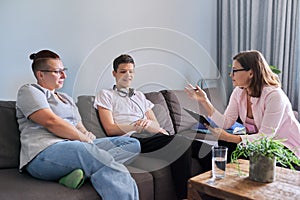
x: 237, y: 70
x: 57, y: 72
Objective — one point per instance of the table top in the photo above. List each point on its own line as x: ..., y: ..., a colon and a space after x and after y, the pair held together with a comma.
x: 237, y: 185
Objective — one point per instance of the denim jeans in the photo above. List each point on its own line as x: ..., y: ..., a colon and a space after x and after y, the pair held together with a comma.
x: 100, y: 161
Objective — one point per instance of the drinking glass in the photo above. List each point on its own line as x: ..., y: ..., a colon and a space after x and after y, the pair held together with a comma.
x: 219, y: 160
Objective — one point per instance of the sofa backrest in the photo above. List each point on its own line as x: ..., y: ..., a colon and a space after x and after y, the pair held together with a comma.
x: 10, y: 135
x: 161, y: 111
x: 168, y: 110
x: 91, y: 121
x: 89, y: 115
x: 178, y: 99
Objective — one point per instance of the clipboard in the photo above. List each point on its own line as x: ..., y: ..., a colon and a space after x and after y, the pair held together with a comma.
x: 200, y: 118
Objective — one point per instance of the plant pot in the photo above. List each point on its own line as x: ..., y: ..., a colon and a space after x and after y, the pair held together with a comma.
x: 262, y: 168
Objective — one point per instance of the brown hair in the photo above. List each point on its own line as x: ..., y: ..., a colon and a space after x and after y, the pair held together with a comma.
x: 262, y: 73
x: 41, y: 58
x: 124, y: 58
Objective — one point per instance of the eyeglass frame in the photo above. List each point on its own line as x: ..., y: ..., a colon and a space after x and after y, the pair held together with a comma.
x: 58, y: 72
x: 232, y: 71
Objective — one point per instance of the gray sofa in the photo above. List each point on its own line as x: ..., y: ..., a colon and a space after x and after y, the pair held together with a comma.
x: 153, y: 176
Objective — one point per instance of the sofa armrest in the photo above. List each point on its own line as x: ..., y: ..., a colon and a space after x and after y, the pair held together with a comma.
x: 10, y: 135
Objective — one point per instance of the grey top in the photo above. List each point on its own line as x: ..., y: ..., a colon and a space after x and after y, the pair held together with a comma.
x: 34, y: 137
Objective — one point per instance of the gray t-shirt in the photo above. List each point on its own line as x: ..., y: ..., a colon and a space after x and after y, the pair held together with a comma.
x: 34, y: 137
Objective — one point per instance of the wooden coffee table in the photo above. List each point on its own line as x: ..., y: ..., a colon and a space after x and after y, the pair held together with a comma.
x: 233, y: 186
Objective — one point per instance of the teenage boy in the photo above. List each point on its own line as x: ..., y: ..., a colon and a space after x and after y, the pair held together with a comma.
x: 122, y: 110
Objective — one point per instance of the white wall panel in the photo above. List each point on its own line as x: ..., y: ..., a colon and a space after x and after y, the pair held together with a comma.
x: 172, y: 41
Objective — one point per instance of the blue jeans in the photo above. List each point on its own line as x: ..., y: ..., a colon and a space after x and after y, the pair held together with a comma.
x: 100, y: 161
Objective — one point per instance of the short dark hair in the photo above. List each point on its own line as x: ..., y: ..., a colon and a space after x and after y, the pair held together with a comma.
x: 41, y: 58
x: 124, y: 58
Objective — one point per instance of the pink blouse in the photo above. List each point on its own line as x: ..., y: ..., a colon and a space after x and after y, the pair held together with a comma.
x: 250, y: 126
x: 272, y: 113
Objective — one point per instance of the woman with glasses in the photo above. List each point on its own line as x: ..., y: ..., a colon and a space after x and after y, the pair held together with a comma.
x: 258, y: 100
x: 56, y: 146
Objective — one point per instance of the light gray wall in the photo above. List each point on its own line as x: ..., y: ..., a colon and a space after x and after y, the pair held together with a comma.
x: 173, y: 41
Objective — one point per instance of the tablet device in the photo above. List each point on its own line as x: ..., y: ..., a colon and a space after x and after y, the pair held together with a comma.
x: 198, y: 117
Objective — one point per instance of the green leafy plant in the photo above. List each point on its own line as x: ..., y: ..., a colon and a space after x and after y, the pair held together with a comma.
x: 275, y: 69
x: 269, y: 147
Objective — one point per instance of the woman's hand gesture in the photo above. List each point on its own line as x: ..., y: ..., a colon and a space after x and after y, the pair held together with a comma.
x: 196, y: 93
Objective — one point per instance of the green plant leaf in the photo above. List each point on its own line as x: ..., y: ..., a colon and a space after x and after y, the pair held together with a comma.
x: 275, y: 69
x: 269, y: 147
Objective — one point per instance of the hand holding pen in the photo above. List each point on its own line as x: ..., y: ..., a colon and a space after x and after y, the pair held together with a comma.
x: 199, y: 95
x: 196, y: 93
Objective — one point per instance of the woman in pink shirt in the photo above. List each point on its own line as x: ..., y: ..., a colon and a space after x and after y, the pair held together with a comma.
x: 259, y: 102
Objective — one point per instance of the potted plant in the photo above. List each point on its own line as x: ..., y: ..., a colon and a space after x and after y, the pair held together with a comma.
x: 275, y: 69
x: 263, y: 154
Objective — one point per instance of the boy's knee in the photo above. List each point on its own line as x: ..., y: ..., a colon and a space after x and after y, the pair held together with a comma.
x: 136, y: 144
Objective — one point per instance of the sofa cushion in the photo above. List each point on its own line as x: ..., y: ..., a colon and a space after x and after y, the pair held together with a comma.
x: 161, y: 172
x: 177, y: 100
x: 10, y: 135
x: 161, y: 110
x: 144, y: 181
x: 23, y: 187
x: 89, y: 115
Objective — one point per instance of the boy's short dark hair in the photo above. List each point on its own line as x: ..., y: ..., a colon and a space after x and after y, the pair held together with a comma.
x: 124, y: 58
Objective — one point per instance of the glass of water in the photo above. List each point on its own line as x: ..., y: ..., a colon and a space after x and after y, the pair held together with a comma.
x: 219, y: 160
